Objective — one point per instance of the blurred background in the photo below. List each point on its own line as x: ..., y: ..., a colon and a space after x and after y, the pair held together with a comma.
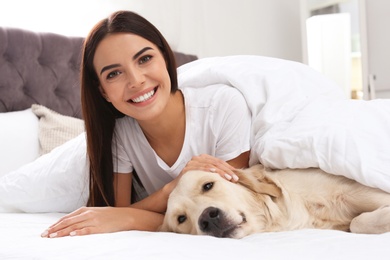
x: 344, y: 39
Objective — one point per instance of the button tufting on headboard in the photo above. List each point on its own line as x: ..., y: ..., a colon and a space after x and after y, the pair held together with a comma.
x: 34, y: 68
x: 43, y: 68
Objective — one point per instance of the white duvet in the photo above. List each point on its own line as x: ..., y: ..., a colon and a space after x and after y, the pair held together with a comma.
x: 301, y: 119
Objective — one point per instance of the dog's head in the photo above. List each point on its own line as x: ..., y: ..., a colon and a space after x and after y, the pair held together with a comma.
x: 204, y: 203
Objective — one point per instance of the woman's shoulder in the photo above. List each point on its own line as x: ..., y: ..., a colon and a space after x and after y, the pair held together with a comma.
x: 211, y: 89
x: 212, y: 95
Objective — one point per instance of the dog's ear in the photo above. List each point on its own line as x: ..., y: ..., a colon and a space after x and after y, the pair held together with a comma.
x: 254, y: 179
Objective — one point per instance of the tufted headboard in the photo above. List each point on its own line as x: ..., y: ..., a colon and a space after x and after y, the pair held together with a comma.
x: 43, y: 68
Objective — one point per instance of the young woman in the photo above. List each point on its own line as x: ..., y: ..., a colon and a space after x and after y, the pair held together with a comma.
x: 139, y: 124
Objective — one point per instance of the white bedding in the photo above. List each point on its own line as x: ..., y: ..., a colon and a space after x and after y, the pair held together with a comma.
x: 20, y: 239
x: 300, y: 119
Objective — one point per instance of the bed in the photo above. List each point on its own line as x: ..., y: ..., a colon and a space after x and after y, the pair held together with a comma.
x: 300, y: 119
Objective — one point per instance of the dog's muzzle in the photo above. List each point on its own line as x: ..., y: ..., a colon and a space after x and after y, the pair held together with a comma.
x: 215, y: 222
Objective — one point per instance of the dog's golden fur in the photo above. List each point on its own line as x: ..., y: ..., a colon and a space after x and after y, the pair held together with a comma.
x: 263, y: 200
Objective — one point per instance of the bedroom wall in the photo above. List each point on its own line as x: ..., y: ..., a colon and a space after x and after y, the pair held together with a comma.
x: 202, y: 27
x: 378, y: 53
x: 228, y: 27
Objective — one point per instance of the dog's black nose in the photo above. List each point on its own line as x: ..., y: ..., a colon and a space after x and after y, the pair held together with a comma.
x: 214, y: 221
x: 209, y: 220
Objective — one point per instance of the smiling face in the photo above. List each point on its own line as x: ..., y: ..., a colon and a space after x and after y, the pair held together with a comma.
x: 204, y: 203
x: 133, y: 75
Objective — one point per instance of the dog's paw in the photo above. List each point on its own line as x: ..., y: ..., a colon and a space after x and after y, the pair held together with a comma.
x: 375, y: 222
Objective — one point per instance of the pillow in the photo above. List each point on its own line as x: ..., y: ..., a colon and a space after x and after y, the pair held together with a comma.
x: 54, y: 128
x: 18, y: 139
x: 55, y: 182
x: 342, y: 137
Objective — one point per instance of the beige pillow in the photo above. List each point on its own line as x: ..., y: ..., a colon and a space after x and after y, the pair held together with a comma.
x: 54, y: 128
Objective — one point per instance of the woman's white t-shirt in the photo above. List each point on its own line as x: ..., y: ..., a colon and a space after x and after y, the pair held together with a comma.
x: 218, y: 123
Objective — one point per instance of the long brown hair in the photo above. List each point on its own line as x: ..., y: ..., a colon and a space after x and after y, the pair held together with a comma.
x: 100, y: 115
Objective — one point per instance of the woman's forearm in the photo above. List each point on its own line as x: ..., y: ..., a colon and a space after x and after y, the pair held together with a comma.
x: 156, y: 202
x: 95, y: 220
x: 144, y: 220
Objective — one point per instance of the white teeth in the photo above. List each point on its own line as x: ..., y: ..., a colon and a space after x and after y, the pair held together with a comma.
x: 144, y: 97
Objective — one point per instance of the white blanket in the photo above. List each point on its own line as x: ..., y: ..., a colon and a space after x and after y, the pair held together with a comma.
x: 301, y: 119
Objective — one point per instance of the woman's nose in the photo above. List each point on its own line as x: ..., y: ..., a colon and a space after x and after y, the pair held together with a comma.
x: 136, y: 78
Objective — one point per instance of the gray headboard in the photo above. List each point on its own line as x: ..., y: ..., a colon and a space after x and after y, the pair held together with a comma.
x: 43, y: 68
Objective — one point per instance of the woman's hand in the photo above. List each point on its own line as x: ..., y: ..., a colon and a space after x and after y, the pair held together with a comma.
x: 95, y: 220
x: 209, y: 163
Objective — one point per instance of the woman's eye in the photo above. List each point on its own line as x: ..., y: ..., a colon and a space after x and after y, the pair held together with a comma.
x: 145, y: 59
x: 113, y: 74
x: 208, y: 186
x: 181, y: 219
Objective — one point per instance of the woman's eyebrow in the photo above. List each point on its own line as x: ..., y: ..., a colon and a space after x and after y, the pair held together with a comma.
x: 109, y: 67
x: 140, y: 52
x: 134, y: 58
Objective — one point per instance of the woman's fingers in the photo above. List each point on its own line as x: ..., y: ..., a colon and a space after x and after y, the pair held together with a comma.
x: 67, y: 224
x: 70, y: 215
x: 82, y: 231
x: 92, y: 220
x: 228, y: 174
x: 209, y: 163
x: 74, y: 230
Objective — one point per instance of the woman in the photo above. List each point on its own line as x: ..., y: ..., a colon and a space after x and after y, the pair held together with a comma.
x: 137, y: 120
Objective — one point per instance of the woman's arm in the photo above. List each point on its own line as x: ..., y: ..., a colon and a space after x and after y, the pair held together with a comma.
x: 122, y: 188
x: 93, y: 220
x: 143, y: 215
x: 241, y: 161
x: 157, y: 202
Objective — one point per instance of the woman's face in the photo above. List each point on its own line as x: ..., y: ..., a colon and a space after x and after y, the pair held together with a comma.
x: 133, y: 75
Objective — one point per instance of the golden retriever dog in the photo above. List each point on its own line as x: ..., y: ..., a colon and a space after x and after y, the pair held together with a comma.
x: 204, y: 203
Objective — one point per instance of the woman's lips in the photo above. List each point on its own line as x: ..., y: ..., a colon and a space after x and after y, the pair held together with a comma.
x: 144, y: 97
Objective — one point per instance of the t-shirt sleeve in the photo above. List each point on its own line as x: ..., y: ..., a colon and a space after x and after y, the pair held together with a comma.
x: 232, y: 123
x: 121, y: 161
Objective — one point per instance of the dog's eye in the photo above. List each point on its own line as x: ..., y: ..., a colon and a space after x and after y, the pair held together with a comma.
x: 208, y: 186
x: 181, y: 219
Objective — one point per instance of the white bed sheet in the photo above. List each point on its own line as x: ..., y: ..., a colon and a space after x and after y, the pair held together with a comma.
x: 20, y: 239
